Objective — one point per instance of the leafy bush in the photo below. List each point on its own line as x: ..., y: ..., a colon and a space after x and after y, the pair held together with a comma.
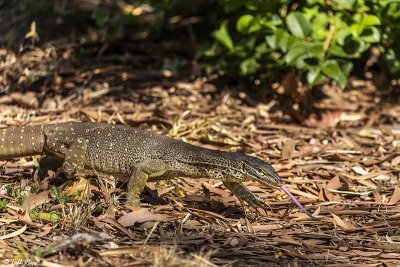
x: 316, y: 37
x: 256, y: 39
x: 113, y: 19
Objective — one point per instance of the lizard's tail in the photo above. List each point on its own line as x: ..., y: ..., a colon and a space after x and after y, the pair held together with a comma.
x: 20, y: 142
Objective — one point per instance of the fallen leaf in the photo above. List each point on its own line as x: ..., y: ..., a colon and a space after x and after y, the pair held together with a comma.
x: 333, y: 184
x: 16, y: 233
x: 163, y: 191
x: 35, y: 200
x: 396, y: 196
x: 345, y: 225
x: 359, y: 170
x: 288, y: 149
x: 78, y: 189
x: 313, y: 242
x: 370, y: 133
x: 367, y: 253
x: 351, y: 117
x: 266, y: 228
x: 390, y: 255
x: 119, y: 226
x: 350, y: 192
x: 141, y: 216
x: 395, y: 161
x: 328, y: 119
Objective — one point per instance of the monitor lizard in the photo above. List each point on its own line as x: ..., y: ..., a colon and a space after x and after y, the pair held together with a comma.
x: 137, y: 156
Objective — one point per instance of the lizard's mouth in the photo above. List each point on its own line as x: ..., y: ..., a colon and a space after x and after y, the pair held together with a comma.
x: 284, y: 189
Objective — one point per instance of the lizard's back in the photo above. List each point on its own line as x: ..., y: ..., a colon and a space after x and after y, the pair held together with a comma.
x: 118, y: 148
x: 110, y: 148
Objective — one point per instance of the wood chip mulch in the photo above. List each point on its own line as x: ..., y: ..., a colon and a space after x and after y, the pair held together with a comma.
x: 344, y: 167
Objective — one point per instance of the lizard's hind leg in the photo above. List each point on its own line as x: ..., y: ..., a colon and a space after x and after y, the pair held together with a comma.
x: 146, y: 170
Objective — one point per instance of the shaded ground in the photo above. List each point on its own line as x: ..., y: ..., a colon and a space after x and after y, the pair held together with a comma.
x: 346, y: 174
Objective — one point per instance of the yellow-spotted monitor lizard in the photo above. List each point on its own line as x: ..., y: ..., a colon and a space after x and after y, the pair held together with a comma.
x: 138, y: 156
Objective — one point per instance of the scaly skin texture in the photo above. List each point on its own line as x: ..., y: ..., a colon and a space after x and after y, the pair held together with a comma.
x: 136, y: 155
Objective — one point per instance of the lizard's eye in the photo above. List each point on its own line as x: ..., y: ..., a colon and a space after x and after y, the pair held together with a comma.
x: 243, y: 167
x: 259, y: 171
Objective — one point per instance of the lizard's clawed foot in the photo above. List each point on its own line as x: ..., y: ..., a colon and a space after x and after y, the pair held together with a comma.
x: 133, y: 201
x: 257, y: 202
x: 244, y: 194
x: 68, y: 170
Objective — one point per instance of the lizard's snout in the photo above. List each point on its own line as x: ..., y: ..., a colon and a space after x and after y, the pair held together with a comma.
x: 262, y: 172
x: 270, y: 178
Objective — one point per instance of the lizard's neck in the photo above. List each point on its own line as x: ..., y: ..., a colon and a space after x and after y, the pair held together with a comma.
x: 198, y: 162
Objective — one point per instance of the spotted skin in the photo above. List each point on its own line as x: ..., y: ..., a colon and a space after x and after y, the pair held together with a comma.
x: 135, y: 155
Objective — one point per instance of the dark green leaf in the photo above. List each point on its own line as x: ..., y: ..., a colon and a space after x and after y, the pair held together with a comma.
x: 295, y: 53
x: 100, y: 17
x: 279, y: 40
x: 316, y: 50
x: 222, y: 36
x: 247, y: 24
x: 348, y: 4
x: 314, y: 77
x: 370, y: 20
x: 249, y: 66
x: 298, y: 25
x: 371, y: 35
x: 232, y: 5
x: 341, y: 35
x: 346, y: 68
x: 331, y: 69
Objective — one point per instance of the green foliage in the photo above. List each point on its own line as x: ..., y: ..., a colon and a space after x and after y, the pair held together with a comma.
x: 44, y: 216
x: 60, y: 197
x: 320, y: 39
x: 15, y: 193
x: 255, y: 40
x: 3, y: 206
x: 113, y: 21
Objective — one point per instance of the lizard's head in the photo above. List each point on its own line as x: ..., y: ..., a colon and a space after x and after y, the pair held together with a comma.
x: 258, y: 170
x: 231, y: 167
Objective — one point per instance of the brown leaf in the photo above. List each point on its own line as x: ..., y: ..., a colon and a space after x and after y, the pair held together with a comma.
x: 288, y: 149
x: 28, y: 99
x: 79, y: 189
x: 163, y: 191
x: 314, y: 242
x: 343, y: 224
x: 396, y: 196
x: 119, y: 226
x: 35, y: 200
x: 395, y: 161
x: 328, y: 119
x: 141, y: 216
x: 367, y: 253
x: 334, y: 183
x: 266, y: 228
x: 360, y: 170
x: 15, y: 233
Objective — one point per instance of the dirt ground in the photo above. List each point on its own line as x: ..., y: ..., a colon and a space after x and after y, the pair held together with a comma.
x: 343, y: 166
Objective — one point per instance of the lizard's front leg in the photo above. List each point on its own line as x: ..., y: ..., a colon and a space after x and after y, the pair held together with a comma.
x: 74, y: 159
x: 73, y: 152
x: 143, y: 171
x: 244, y: 194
